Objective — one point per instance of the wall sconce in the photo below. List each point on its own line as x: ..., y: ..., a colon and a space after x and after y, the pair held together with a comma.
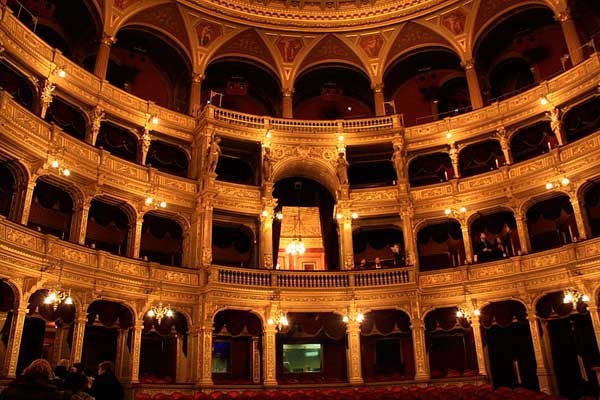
x: 278, y: 215
x: 62, y: 171
x: 357, y: 316
x: 279, y: 320
x: 454, y: 212
x: 557, y: 183
x: 574, y: 297
x: 544, y: 100
x: 154, y: 203
x: 466, y: 314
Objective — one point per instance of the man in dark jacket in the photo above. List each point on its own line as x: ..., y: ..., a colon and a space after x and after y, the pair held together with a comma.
x: 34, y: 383
x: 106, y: 386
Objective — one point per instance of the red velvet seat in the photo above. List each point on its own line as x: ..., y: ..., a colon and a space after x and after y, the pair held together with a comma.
x: 201, y: 396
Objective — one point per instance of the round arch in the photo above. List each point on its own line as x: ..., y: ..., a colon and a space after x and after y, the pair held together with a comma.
x: 318, y: 170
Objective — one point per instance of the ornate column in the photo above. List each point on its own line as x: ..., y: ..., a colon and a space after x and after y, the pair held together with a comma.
x: 473, y: 84
x: 255, y: 360
x: 420, y: 350
x: 570, y: 32
x: 266, y: 240
x: 287, y: 104
x: 545, y: 374
x: 23, y: 205
x: 556, y: 125
x: 479, y: 345
x: 195, y: 92
x: 502, y: 135
x: 268, y: 356
x: 204, y: 354
x: 78, y: 336
x: 410, y: 245
x: 580, y: 220
x: 9, y: 369
x: 453, y: 153
x: 96, y: 118
x: 136, y: 347
x: 353, y: 353
x: 523, y: 232
x: 145, y: 142
x: 102, y: 57
x: 378, y: 99
x: 466, y: 234
x: 345, y: 236
x: 134, y: 237
x: 593, y: 308
x: 201, y: 231
x: 121, y: 356
x: 79, y: 221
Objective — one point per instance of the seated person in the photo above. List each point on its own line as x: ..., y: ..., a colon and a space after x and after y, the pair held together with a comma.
x: 362, y: 265
x: 377, y: 264
x: 483, y: 249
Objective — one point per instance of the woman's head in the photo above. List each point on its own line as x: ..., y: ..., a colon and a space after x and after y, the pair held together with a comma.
x: 39, y: 368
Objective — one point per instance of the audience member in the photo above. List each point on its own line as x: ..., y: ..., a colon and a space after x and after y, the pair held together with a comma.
x: 377, y: 264
x: 483, y: 249
x: 499, y: 249
x: 80, y: 389
x: 397, y: 253
x: 362, y: 265
x: 106, y: 386
x: 34, y: 383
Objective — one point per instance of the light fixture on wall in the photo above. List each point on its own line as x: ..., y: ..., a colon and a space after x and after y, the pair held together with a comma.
x: 574, y: 297
x: 151, y: 202
x: 159, y: 312
x: 455, y: 212
x: 355, y: 316
x: 467, y: 315
x: 61, y: 170
x: 279, y: 319
x: 558, y: 183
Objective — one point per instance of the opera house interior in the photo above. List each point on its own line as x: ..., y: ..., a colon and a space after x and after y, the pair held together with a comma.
x: 303, y: 199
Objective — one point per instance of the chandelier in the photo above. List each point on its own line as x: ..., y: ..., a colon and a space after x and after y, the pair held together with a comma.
x: 358, y: 317
x: 159, y: 312
x: 454, y: 212
x: 279, y: 319
x: 466, y: 314
x: 56, y: 296
x: 574, y: 297
x: 296, y: 247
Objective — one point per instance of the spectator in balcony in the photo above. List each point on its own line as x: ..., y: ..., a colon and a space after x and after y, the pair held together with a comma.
x: 34, y: 383
x: 377, y: 264
x: 362, y: 265
x: 398, y: 256
x: 106, y: 386
x: 483, y: 249
x: 499, y: 249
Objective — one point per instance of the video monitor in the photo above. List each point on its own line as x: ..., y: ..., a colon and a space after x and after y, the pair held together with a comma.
x: 302, y: 358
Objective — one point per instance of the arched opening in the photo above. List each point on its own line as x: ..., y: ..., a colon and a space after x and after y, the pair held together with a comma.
x: 307, y: 209
x: 107, y: 332
x: 532, y: 141
x: 370, y: 165
x: 239, y: 161
x: 440, y: 246
x: 168, y: 158
x: 572, y: 343
x: 7, y: 190
x: 494, y: 236
x: 507, y: 339
x: 51, y: 210
x: 70, y: 27
x: 7, y: 306
x: 107, y: 228
x: 551, y: 223
x: 311, y: 349
x: 520, y: 48
x: 450, y: 344
x: 481, y: 157
x: 67, y: 117
x: 236, y: 348
x: 333, y: 91
x: 375, y: 245
x: 164, y: 349
x: 592, y: 208
x: 427, y: 84
x: 118, y: 140
x: 149, y: 65
x: 386, y: 346
x: 245, y: 86
x: 47, y: 331
x: 582, y: 120
x: 162, y: 240
x: 17, y: 85
x: 234, y: 240
x: 430, y: 169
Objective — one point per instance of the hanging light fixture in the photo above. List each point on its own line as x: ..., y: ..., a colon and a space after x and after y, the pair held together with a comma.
x: 159, y: 312
x: 279, y: 319
x: 574, y: 297
x: 467, y: 315
x: 296, y: 246
x: 57, y: 296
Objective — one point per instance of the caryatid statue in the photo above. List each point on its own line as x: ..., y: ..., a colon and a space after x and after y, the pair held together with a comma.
x: 267, y: 165
x: 342, y: 169
x: 214, y: 152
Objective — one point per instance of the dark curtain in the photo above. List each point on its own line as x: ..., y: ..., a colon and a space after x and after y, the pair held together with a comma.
x: 99, y: 344
x: 32, y: 342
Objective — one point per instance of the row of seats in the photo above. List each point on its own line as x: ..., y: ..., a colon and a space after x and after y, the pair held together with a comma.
x: 450, y: 392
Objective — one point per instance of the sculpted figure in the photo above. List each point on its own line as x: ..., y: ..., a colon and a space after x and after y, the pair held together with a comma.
x: 214, y: 151
x: 267, y: 166
x: 342, y: 169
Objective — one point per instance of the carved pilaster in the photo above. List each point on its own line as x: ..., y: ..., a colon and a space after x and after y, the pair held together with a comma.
x: 268, y: 356
x: 78, y: 334
x: 479, y: 345
x: 345, y: 235
x: 473, y: 84
x: 420, y: 350
x: 466, y: 235
x: 571, y: 37
x: 523, y: 233
x: 545, y: 376
x: 266, y: 237
x: 410, y: 244
x: 255, y: 360
x: 9, y: 369
x: 580, y: 220
x: 195, y: 106
x: 80, y: 220
x: 25, y: 198
x: 353, y: 354
x: 287, y: 102
x: 378, y: 99
x: 136, y: 347
x: 204, y: 351
x: 135, y: 237
x: 102, y: 56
